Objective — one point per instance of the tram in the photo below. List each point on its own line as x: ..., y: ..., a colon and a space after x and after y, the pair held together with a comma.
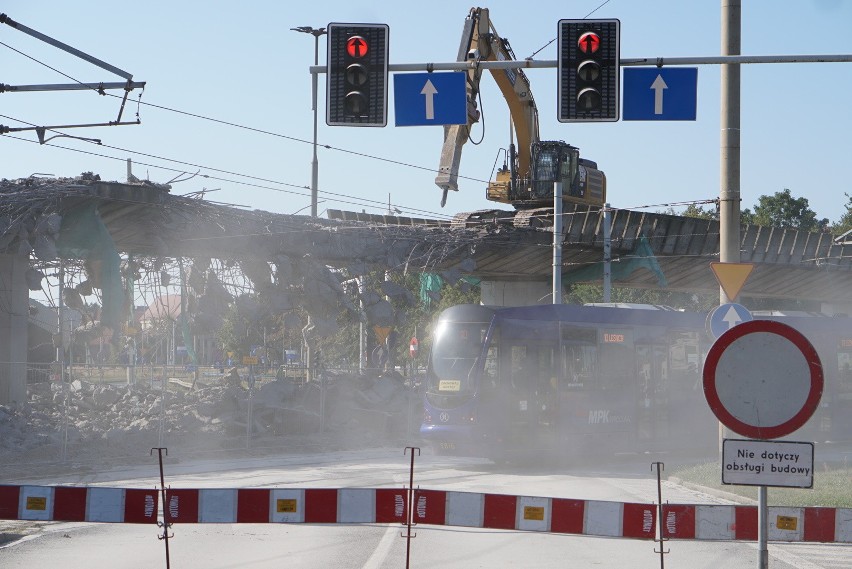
x: 557, y: 379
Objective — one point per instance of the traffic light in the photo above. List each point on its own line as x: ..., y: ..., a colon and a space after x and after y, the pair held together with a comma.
x: 357, y: 77
x: 589, y: 74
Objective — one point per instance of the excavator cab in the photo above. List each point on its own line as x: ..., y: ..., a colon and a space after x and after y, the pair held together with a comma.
x: 553, y: 162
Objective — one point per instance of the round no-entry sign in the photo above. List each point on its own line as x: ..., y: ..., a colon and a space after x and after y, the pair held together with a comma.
x: 763, y: 379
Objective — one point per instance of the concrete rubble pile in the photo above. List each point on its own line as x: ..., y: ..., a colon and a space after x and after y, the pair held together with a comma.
x: 126, y: 420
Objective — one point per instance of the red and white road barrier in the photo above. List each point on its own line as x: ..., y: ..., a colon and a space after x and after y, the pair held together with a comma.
x: 285, y: 505
x: 827, y: 525
x: 431, y: 507
x: 434, y: 507
x: 531, y: 513
x: 76, y: 504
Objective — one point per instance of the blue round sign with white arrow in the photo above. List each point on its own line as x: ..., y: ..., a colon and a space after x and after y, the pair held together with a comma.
x: 725, y: 317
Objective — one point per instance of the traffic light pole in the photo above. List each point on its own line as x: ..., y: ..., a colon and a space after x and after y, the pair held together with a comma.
x: 630, y: 62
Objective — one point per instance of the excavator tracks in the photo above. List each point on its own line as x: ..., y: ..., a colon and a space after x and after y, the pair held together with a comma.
x: 541, y: 217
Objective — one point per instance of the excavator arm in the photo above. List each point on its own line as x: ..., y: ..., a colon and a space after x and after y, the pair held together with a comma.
x: 480, y: 42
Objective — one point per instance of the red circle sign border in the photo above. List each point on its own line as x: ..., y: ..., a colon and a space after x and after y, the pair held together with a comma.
x: 797, y: 339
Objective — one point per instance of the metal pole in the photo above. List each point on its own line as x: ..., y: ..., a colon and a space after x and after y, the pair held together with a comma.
x: 316, y: 32
x: 362, y: 333
x: 557, y: 243
x: 315, y: 161
x: 167, y: 522
x: 623, y: 62
x: 60, y: 357
x: 729, y: 152
x: 607, y: 268
x: 762, y: 529
x: 729, y: 171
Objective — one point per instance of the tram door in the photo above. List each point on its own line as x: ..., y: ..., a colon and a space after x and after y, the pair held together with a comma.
x: 531, y: 394
x: 652, y: 392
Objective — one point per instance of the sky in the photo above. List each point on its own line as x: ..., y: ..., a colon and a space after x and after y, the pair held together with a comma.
x: 227, y: 103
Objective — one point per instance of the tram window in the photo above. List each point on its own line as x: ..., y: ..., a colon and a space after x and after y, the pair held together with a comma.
x: 580, y: 365
x: 844, y: 366
x: 490, y: 368
x: 685, y: 361
x: 580, y: 353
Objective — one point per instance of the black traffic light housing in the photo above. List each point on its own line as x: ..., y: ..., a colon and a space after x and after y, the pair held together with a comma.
x: 589, y: 74
x: 357, y: 77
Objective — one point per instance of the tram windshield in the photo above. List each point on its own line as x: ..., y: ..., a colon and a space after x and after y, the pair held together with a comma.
x: 455, y: 349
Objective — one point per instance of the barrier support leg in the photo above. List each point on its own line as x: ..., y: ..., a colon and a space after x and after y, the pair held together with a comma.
x: 409, y: 514
x: 659, y: 467
x: 166, y: 523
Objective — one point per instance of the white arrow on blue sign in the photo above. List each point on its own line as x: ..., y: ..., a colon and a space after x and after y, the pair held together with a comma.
x: 726, y: 316
x: 660, y: 94
x: 430, y: 98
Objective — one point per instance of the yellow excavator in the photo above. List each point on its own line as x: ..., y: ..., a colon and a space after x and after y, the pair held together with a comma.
x: 532, y: 166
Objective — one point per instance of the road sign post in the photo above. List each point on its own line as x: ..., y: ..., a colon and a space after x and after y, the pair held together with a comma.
x: 763, y: 380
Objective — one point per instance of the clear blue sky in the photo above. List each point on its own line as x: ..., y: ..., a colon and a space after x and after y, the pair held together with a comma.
x: 240, y: 63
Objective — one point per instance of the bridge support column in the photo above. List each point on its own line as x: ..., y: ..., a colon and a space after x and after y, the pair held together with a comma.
x: 14, y: 317
x: 516, y: 293
x: 832, y: 308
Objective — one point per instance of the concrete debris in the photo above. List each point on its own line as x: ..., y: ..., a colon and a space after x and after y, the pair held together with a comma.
x: 108, y: 418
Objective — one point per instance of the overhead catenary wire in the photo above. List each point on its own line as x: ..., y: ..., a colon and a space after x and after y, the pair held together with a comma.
x: 342, y: 198
x: 95, y: 89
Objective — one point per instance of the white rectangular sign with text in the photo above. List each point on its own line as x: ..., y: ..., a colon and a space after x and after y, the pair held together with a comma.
x: 768, y: 463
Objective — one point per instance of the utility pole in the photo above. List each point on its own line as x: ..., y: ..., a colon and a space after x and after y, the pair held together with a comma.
x: 316, y: 32
x: 729, y: 160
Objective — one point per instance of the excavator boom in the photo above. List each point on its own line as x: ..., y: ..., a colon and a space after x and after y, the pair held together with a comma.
x: 522, y: 182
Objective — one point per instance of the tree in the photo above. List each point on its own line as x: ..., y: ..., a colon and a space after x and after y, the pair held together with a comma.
x: 783, y: 210
x: 844, y: 224
x: 587, y: 293
x: 697, y: 211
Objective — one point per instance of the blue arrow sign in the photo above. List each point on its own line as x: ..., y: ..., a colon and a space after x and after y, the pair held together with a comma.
x: 660, y: 94
x: 726, y: 316
x: 430, y: 98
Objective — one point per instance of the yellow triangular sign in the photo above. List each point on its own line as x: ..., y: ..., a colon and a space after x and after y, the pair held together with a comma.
x: 732, y: 276
x: 381, y: 333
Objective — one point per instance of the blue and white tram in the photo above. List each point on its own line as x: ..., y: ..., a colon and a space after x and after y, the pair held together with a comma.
x: 568, y: 379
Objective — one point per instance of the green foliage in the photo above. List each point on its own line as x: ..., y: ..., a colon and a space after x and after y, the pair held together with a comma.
x: 844, y: 224
x: 831, y: 486
x: 587, y: 293
x: 778, y: 210
x: 697, y: 211
x: 783, y: 210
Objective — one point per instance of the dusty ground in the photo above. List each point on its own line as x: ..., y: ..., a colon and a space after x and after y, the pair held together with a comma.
x: 87, y: 426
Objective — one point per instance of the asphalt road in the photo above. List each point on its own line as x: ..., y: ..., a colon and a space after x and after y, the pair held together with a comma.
x: 374, y: 546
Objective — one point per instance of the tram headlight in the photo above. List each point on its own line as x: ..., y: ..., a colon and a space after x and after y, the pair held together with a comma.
x: 439, y: 331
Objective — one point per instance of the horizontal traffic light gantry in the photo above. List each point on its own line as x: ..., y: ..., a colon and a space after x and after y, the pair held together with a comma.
x: 357, y: 78
x: 589, y: 85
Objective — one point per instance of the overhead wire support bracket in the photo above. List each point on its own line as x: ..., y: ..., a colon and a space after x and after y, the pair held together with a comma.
x: 4, y: 19
x: 128, y: 85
